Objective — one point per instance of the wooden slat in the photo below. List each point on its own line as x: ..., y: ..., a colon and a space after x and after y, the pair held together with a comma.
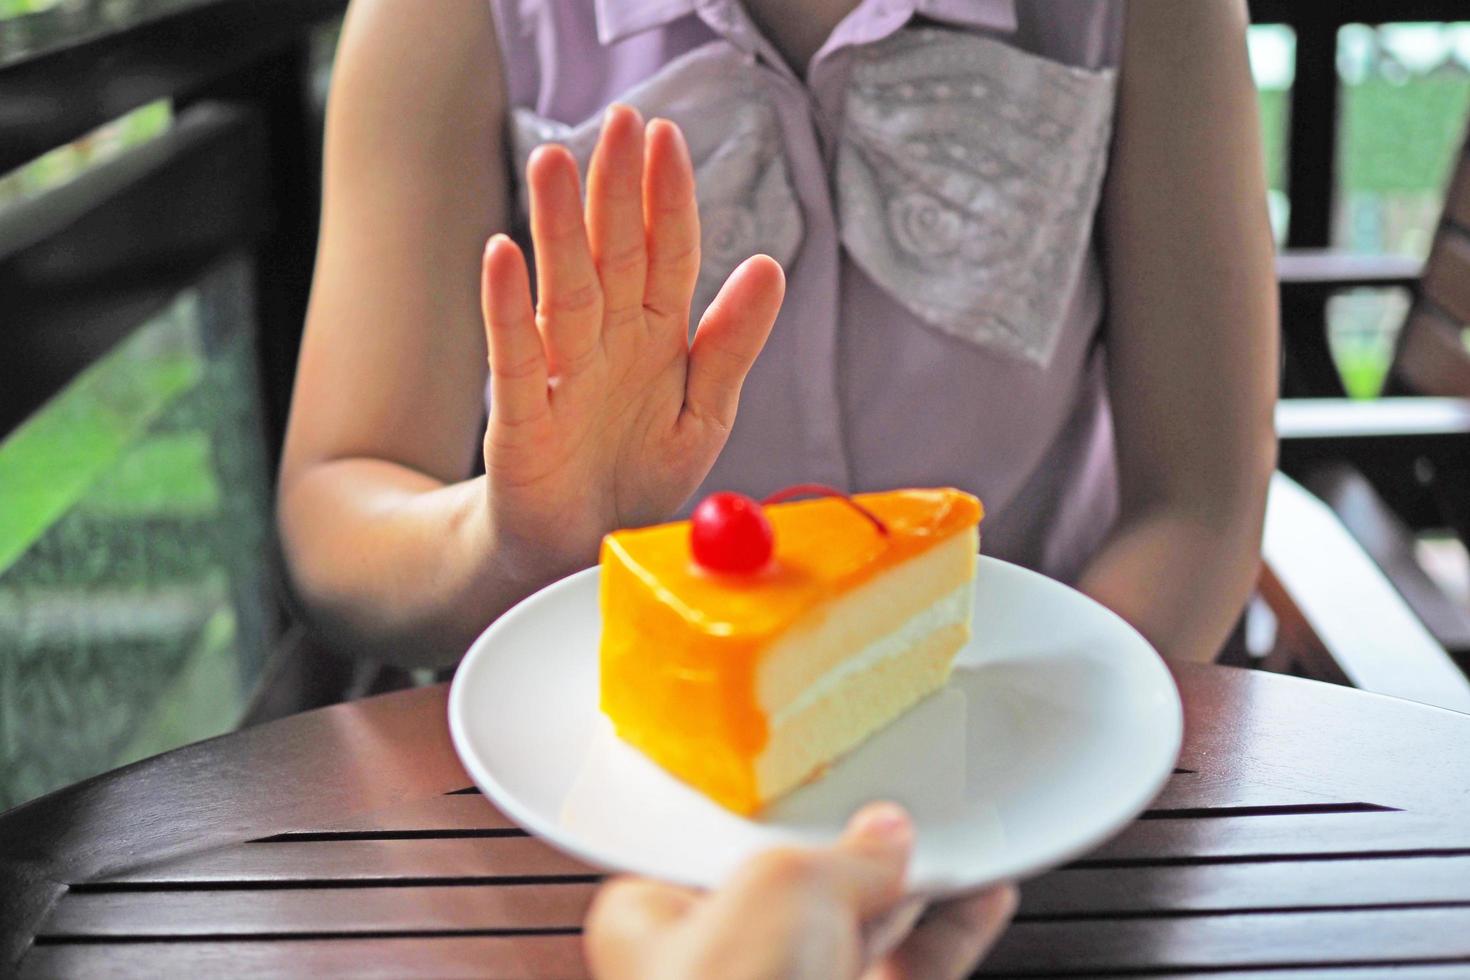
x: 359, y: 860
x: 1247, y: 736
x: 1305, y: 835
x: 1254, y: 885
x: 1447, y: 274
x: 1326, y: 739
x: 1215, y: 791
x: 1216, y: 941
x: 446, y: 815
x: 1432, y: 358
x: 1341, y: 611
x: 1391, y: 543
x: 502, y: 957
x: 1395, y: 418
x: 1423, y: 971
x: 1324, y: 268
x: 1457, y: 199
x: 318, y: 765
x: 320, y: 911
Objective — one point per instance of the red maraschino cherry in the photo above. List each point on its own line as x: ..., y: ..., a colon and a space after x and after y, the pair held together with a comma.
x: 729, y: 532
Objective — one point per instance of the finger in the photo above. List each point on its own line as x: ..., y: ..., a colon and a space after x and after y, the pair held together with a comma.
x: 671, y: 214
x: 953, y: 937
x: 615, y: 213
x: 627, y: 919
x: 884, y: 934
x: 731, y: 333
x: 863, y: 873
x: 569, y: 297
x: 517, y: 359
x: 873, y: 855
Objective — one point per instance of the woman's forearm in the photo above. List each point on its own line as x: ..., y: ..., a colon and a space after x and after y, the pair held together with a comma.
x: 395, y: 565
x: 1191, y: 334
x: 1181, y: 579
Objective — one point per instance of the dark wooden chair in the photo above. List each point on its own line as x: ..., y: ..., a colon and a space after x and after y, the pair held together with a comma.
x: 1338, y: 617
x: 1398, y: 465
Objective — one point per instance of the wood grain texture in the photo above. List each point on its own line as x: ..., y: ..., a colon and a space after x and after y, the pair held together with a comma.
x: 424, y: 883
x: 1283, y: 836
x: 1253, y: 885
x: 1447, y: 273
x: 1457, y: 199
x: 446, y: 958
x: 314, y: 767
x: 319, y: 911
x: 444, y: 815
x: 1430, y: 971
x: 1226, y: 790
x: 1431, y: 357
x: 411, y: 859
x: 1345, y: 744
x: 1214, y: 941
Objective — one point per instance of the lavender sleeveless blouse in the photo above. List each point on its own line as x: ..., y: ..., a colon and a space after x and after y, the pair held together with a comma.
x: 930, y: 186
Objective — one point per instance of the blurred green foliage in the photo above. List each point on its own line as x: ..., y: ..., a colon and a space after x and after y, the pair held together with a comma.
x: 1402, y: 136
x: 14, y: 8
x: 103, y: 143
x: 1274, y: 114
x: 135, y: 543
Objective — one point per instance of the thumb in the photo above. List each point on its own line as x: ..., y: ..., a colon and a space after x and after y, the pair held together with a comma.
x: 867, y: 865
x: 731, y: 333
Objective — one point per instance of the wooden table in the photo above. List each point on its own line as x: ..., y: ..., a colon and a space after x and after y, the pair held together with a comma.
x: 1310, y: 831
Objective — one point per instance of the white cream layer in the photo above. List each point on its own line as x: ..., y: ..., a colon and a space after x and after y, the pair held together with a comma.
x: 953, y: 608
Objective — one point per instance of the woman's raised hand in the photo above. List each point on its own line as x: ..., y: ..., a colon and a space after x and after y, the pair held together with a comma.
x: 603, y: 414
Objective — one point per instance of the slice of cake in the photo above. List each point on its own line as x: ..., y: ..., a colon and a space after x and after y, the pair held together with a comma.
x: 745, y: 651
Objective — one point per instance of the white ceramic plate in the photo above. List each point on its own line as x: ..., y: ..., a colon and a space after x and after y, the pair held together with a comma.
x: 1058, y: 726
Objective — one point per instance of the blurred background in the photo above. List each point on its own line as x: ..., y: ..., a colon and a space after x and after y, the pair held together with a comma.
x: 158, y: 190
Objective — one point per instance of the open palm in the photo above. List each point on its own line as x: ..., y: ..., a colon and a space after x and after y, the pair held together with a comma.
x: 603, y: 414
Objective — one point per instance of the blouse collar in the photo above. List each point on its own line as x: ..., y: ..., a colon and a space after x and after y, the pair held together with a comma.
x: 619, y: 19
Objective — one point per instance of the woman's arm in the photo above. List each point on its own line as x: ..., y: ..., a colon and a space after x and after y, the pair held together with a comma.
x: 1192, y: 328
x: 383, y: 531
x: 604, y: 414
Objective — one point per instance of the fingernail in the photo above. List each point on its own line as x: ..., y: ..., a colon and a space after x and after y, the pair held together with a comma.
x: 495, y: 239
x: 678, y: 133
x: 545, y: 149
x: 620, y: 106
x: 886, y: 822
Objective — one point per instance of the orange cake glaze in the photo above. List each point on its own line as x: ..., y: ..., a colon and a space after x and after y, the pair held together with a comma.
x: 681, y: 646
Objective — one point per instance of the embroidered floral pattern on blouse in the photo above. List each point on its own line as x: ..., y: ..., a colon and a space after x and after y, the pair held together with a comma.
x: 967, y: 177
x: 967, y: 173
x: 746, y: 202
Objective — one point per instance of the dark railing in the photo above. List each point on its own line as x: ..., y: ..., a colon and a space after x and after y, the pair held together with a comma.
x: 143, y: 616
x: 83, y: 265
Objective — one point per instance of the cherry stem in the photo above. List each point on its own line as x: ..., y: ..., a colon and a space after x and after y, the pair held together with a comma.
x: 819, y: 490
